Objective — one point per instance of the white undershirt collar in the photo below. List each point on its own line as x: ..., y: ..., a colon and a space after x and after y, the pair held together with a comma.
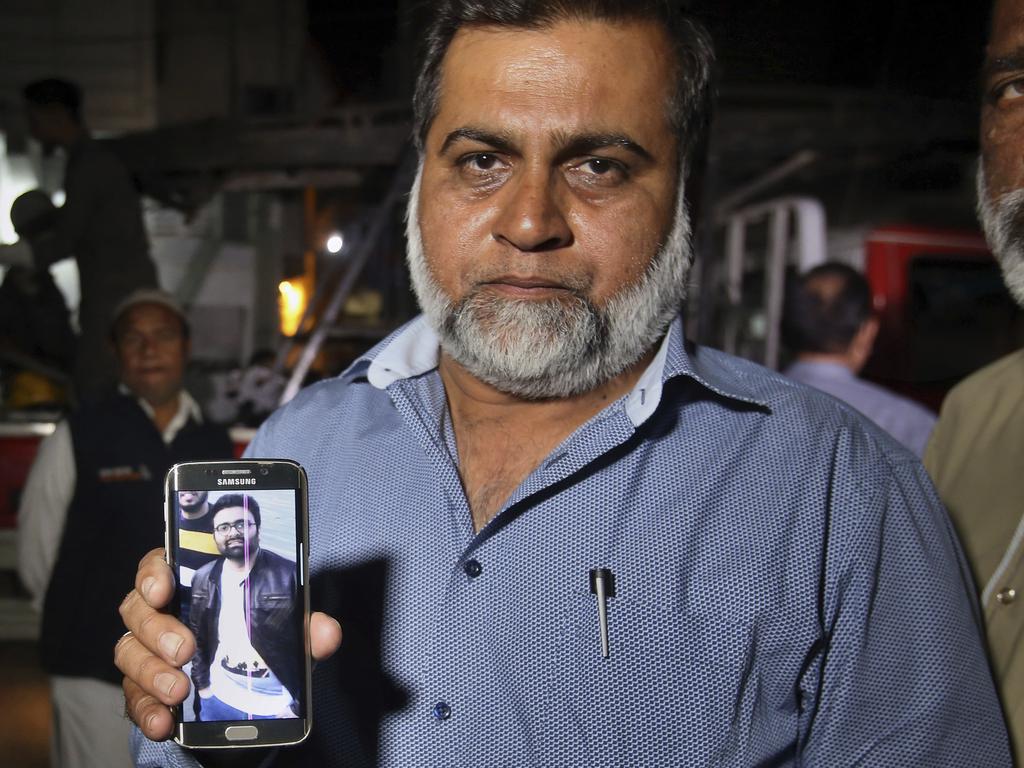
x: 416, y: 350
x: 187, y: 408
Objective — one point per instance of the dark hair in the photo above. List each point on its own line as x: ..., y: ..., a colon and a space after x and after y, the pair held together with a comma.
x: 689, y: 108
x: 52, y: 90
x: 825, y: 308
x: 229, y: 500
x: 33, y: 214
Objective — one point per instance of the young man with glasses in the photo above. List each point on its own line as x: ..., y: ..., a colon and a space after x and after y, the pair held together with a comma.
x: 244, y: 667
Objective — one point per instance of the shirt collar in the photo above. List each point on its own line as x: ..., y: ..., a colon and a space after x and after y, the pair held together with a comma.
x: 414, y: 350
x: 188, y: 408
x: 411, y: 351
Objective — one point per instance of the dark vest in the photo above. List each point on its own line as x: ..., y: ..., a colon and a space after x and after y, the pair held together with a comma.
x: 115, y: 517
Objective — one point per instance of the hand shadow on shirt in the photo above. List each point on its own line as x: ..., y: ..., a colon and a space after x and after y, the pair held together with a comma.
x: 351, y: 692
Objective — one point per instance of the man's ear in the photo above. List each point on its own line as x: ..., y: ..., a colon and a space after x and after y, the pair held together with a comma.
x: 863, y: 343
x: 870, y: 330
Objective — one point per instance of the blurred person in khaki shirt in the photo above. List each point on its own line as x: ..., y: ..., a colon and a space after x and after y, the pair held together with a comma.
x: 976, y: 453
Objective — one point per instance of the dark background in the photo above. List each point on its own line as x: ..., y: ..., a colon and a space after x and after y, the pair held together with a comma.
x: 884, y: 93
x: 926, y: 48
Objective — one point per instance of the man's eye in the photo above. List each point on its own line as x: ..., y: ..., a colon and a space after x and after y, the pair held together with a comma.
x: 1011, y: 91
x: 481, y: 161
x: 599, y: 166
x: 599, y: 171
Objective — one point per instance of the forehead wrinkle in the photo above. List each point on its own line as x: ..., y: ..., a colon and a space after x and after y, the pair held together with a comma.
x: 521, y: 75
x: 551, y: 68
x: 535, y: 80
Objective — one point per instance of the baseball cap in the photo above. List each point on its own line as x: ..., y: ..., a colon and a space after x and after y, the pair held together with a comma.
x: 148, y: 296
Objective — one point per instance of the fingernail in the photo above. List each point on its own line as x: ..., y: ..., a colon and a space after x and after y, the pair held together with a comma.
x: 148, y: 585
x: 170, y: 643
x: 149, y: 723
x: 165, y: 681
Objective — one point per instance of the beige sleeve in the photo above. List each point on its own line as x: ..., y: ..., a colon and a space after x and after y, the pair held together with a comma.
x: 43, y: 511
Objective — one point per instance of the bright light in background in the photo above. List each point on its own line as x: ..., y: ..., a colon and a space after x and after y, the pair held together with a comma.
x: 335, y: 242
x: 16, y: 177
x: 292, y: 303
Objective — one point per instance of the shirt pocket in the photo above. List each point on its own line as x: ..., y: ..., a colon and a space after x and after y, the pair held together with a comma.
x: 272, y: 611
x: 668, y: 694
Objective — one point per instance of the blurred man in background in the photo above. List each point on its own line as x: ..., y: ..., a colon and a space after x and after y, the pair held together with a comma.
x: 828, y: 323
x: 91, y: 509
x: 976, y: 455
x: 37, y: 345
x: 100, y: 225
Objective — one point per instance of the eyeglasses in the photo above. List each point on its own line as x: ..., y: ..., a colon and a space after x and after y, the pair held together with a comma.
x: 238, y: 525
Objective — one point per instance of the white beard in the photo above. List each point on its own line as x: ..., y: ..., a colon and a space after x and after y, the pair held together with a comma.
x: 559, y: 347
x: 1003, y: 222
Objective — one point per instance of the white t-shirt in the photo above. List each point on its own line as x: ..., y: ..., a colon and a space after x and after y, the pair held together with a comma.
x: 238, y: 675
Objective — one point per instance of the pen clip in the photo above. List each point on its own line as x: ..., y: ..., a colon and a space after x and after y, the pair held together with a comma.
x: 602, y: 585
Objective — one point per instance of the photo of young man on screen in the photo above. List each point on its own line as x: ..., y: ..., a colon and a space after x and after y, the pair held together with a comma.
x: 247, y: 663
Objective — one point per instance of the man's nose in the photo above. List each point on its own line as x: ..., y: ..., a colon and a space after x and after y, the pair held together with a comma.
x: 532, y: 216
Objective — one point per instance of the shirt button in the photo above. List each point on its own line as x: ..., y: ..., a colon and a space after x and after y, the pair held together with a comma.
x: 1006, y: 596
x: 472, y: 568
x: 442, y: 711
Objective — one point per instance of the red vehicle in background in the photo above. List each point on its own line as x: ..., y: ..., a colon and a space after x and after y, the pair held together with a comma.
x: 18, y: 445
x: 939, y: 293
x: 944, y: 309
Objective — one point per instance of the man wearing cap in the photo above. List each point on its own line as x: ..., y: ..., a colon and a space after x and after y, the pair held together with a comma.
x: 91, y: 510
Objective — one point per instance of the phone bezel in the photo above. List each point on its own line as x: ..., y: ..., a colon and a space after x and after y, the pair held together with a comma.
x: 270, y: 474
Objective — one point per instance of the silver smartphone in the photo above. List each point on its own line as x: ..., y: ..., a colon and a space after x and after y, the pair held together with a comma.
x: 237, y: 539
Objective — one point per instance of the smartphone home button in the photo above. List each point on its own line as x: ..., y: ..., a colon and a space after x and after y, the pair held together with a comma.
x: 241, y: 732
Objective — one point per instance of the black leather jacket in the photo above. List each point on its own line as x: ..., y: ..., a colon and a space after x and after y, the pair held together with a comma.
x: 277, y: 628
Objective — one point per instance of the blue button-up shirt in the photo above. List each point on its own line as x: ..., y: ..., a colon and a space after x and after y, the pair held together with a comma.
x: 787, y: 588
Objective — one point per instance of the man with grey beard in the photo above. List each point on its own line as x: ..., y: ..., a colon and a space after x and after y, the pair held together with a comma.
x: 976, y: 453
x: 557, y: 533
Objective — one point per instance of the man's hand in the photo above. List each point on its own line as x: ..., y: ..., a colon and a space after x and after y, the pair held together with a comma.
x: 156, y: 645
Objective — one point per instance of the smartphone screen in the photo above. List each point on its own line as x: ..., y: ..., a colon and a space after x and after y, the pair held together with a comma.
x: 237, y: 544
